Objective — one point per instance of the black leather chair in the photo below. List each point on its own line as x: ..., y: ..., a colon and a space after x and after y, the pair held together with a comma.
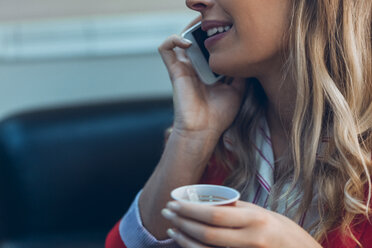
x: 68, y: 174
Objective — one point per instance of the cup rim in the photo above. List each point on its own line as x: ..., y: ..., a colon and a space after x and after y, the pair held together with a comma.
x: 224, y: 202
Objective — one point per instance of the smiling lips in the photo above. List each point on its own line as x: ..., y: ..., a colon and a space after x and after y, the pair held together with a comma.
x: 215, y: 30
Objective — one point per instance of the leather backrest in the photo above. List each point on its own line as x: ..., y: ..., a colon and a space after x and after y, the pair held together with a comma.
x: 77, y: 169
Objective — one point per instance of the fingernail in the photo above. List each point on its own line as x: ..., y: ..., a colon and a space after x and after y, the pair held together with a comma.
x: 168, y: 214
x: 186, y: 41
x: 174, y: 206
x: 171, y: 233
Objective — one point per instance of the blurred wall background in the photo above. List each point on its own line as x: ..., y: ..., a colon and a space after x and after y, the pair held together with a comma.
x: 69, y: 52
x: 41, y: 9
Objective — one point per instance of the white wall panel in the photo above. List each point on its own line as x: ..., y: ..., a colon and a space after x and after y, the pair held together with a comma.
x: 57, y: 63
x: 18, y: 10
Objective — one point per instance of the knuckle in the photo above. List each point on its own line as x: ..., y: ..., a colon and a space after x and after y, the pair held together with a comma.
x: 260, y: 242
x: 173, y: 37
x: 262, y: 220
x: 162, y: 47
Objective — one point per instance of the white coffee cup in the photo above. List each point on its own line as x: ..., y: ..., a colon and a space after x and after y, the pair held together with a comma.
x: 207, y: 194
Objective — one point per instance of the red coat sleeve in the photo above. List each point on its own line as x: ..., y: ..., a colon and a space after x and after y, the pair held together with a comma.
x: 361, y: 228
x: 366, y: 238
x: 113, y: 239
x: 362, y: 232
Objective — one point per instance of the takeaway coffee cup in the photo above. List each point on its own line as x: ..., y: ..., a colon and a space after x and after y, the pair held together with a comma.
x: 206, y: 194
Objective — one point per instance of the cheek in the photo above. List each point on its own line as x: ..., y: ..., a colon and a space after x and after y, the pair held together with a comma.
x: 256, y: 42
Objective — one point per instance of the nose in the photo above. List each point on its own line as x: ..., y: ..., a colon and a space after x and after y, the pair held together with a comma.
x: 199, y: 5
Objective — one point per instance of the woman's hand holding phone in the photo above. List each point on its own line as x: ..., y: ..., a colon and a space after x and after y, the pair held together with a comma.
x: 199, y: 108
x: 202, y: 113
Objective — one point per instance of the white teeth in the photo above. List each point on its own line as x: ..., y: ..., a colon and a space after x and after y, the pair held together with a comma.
x: 213, y: 31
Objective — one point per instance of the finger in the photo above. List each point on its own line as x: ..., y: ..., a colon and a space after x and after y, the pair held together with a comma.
x: 206, y: 234
x: 181, y: 55
x: 166, y: 49
x: 222, y: 216
x: 181, y: 52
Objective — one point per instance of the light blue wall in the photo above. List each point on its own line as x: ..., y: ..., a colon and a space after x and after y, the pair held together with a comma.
x: 40, y: 84
x: 84, y: 60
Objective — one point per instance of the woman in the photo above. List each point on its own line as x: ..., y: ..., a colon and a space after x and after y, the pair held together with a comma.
x: 291, y: 131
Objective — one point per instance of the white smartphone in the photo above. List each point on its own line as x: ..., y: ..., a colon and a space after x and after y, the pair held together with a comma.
x: 199, y: 55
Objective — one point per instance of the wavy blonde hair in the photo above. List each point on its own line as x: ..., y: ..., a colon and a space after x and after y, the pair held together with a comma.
x: 329, y: 55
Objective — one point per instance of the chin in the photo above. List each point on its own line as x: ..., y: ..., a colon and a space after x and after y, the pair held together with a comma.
x: 230, y: 67
x: 220, y: 66
x: 225, y: 68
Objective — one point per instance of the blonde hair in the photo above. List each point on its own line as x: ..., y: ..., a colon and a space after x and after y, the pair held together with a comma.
x: 329, y: 55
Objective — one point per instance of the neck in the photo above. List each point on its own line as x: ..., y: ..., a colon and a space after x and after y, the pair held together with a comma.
x: 281, y: 95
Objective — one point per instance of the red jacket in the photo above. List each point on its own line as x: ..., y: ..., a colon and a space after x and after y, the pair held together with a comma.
x: 213, y: 175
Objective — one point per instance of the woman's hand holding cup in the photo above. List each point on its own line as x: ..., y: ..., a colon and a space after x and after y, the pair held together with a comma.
x: 241, y: 224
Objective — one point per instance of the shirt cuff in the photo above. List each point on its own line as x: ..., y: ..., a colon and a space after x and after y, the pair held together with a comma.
x: 135, y: 235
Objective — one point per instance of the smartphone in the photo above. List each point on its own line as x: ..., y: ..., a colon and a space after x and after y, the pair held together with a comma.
x: 199, y: 55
